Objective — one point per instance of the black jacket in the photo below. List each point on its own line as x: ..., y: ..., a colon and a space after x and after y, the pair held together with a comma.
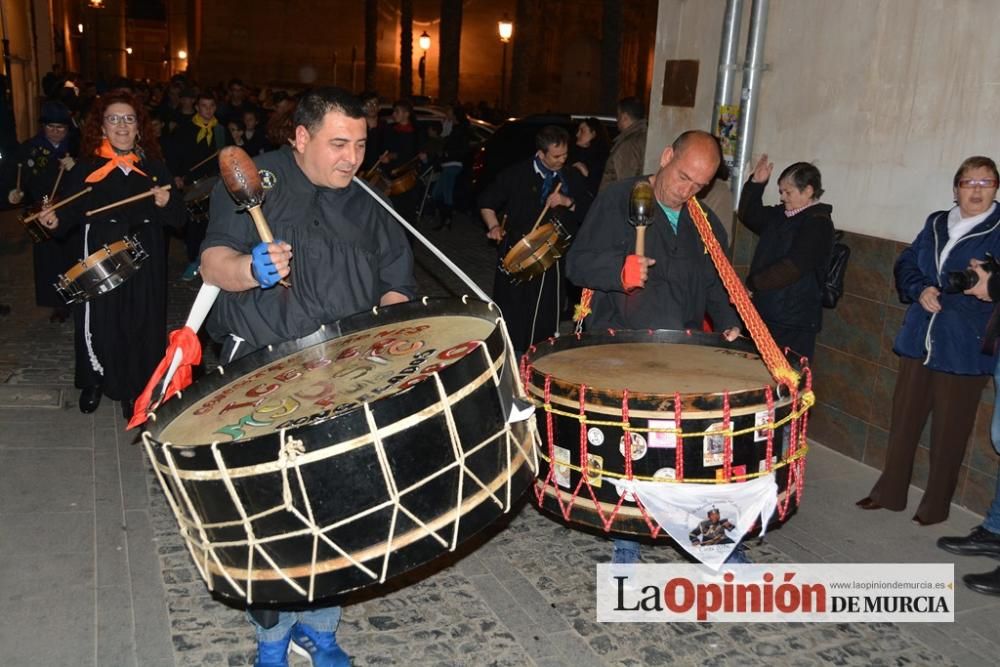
x: 788, y: 268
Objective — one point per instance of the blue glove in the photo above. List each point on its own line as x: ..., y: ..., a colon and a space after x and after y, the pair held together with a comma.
x: 262, y: 267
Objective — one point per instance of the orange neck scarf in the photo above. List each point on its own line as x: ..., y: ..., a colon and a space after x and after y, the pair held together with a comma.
x: 127, y: 162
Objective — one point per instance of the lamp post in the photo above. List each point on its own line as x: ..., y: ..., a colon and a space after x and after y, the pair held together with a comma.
x: 505, y: 28
x: 425, y: 43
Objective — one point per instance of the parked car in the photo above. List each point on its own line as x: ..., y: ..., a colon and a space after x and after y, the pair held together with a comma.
x: 515, y: 140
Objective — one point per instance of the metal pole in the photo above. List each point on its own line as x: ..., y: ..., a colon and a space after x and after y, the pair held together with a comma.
x: 503, y: 76
x: 753, y: 67
x: 727, y: 59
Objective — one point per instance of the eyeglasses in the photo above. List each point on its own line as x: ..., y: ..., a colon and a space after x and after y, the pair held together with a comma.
x: 116, y: 118
x: 56, y: 127
x: 969, y: 183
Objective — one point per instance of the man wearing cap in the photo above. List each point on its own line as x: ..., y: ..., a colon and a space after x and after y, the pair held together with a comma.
x: 41, y: 160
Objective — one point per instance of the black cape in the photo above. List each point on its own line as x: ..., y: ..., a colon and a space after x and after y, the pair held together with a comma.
x: 531, y: 309
x: 128, y: 324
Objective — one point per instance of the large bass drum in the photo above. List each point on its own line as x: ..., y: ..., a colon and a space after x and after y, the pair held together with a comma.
x: 674, y: 407
x: 347, y: 457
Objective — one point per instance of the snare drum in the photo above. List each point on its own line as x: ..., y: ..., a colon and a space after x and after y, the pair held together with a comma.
x: 102, y: 271
x: 684, y: 406
x: 197, y: 198
x: 403, y: 183
x: 537, y: 251
x: 348, y: 457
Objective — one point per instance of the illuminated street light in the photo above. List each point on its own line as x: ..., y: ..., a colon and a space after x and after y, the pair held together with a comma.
x: 505, y: 28
x: 128, y: 50
x: 425, y: 43
x: 182, y: 54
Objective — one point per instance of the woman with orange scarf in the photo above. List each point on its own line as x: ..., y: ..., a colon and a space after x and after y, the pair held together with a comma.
x: 121, y: 334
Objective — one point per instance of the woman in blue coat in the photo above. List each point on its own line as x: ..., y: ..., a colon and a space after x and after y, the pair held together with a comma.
x: 941, y: 368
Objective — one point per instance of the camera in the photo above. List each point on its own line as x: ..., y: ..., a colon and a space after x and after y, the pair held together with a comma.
x: 959, y: 281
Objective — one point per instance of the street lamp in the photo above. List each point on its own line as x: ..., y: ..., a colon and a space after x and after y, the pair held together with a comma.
x: 425, y: 43
x: 505, y: 28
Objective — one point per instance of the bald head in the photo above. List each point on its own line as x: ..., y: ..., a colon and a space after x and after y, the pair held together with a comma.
x: 686, y: 166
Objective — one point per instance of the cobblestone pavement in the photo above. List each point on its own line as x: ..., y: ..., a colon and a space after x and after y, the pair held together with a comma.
x: 524, y: 597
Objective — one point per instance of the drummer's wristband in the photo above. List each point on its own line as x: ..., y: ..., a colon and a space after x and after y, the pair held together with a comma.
x: 631, y: 274
x: 262, y: 268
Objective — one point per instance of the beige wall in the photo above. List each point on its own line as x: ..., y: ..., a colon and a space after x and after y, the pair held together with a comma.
x: 886, y: 97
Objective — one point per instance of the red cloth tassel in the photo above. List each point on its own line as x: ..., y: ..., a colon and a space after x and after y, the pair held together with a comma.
x: 185, y: 340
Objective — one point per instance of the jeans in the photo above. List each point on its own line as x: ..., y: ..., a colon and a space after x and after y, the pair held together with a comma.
x: 325, y: 619
x: 444, y: 189
x: 992, y: 520
x: 627, y: 551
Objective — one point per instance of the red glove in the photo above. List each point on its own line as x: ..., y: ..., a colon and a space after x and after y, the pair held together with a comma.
x: 632, y: 274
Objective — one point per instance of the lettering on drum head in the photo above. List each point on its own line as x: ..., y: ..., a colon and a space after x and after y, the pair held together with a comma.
x: 322, y: 381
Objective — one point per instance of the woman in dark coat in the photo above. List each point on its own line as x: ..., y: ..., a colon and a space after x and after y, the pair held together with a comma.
x: 121, y: 334
x: 590, y: 153
x: 942, y: 371
x: 791, y: 260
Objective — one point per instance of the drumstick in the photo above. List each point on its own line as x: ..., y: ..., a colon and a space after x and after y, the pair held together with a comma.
x: 203, y: 162
x: 241, y: 178
x: 55, y: 206
x: 122, y: 202
x: 546, y: 209
x: 371, y: 172
x: 503, y: 226
x: 17, y: 186
x: 58, y: 178
x: 406, y: 166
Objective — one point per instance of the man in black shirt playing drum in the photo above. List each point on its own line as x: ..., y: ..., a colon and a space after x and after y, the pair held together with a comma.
x: 522, y: 191
x: 674, y: 283
x: 350, y: 256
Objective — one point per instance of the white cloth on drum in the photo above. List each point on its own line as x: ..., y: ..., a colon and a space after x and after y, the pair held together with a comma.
x: 682, y: 509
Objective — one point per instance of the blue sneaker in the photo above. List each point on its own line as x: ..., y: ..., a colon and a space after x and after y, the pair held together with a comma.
x: 273, y: 654
x: 190, y: 272
x: 320, y: 647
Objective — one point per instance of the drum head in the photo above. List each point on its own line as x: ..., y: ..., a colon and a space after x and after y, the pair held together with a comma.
x: 320, y: 381
x: 347, y: 457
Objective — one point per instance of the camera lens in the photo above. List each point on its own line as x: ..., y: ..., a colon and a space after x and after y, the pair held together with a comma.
x: 959, y: 281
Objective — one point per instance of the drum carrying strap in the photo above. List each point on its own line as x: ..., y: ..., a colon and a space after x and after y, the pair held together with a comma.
x: 88, y: 338
x: 684, y: 512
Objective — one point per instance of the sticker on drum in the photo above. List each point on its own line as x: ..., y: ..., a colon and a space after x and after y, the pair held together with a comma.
x: 638, y: 446
x: 627, y: 496
x: 736, y: 471
x: 762, y: 466
x: 595, y: 436
x: 661, y: 438
x: 665, y: 473
x: 760, y: 419
x: 560, y: 473
x: 595, y: 465
x: 714, y: 448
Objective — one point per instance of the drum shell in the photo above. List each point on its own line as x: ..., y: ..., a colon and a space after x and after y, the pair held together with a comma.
x: 403, y: 183
x: 197, y: 199
x: 699, y: 412
x: 536, y: 252
x: 346, y: 483
x: 35, y: 230
x: 101, y: 271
